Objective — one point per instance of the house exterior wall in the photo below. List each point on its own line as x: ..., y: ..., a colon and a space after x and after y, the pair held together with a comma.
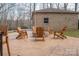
x: 56, y: 21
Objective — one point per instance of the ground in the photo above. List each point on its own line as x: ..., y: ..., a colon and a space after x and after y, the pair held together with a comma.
x: 49, y: 47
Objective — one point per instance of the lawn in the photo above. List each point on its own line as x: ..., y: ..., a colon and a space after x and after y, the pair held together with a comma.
x: 72, y: 33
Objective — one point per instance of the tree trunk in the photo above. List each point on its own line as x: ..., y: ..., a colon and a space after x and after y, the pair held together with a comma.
x: 51, y: 5
x: 76, y: 4
x: 34, y: 7
x: 65, y: 6
x: 57, y: 5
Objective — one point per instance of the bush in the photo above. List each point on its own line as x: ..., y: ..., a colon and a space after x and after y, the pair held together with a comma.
x: 24, y: 27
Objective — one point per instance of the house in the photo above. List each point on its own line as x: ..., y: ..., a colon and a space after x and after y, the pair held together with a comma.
x: 55, y: 19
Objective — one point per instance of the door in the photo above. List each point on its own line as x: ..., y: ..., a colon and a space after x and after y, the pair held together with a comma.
x: 46, y: 22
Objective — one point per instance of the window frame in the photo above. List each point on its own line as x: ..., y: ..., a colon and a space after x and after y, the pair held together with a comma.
x: 46, y: 20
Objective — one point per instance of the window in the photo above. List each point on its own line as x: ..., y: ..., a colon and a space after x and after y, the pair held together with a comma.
x: 46, y: 20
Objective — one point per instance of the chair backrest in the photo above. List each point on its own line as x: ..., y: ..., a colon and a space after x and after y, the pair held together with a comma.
x: 4, y: 29
x: 34, y: 29
x: 39, y: 31
x: 64, y: 28
x: 18, y: 29
x: 50, y: 30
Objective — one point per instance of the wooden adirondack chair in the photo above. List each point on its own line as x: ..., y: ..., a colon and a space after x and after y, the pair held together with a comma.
x: 4, y: 30
x: 60, y: 33
x: 39, y: 34
x: 34, y: 31
x: 50, y: 30
x: 22, y: 33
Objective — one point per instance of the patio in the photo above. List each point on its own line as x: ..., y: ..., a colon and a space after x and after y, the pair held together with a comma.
x: 49, y: 47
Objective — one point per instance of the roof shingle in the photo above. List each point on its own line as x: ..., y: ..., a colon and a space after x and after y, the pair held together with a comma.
x: 54, y: 10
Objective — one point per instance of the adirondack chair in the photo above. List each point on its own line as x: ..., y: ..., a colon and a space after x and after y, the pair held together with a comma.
x: 4, y: 30
x: 50, y: 30
x: 34, y: 31
x: 39, y: 35
x: 60, y: 33
x: 22, y: 33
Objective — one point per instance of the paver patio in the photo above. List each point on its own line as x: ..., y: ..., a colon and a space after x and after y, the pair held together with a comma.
x: 49, y: 47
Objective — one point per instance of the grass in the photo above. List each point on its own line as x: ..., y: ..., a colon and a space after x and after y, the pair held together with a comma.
x: 72, y: 33
x: 12, y: 31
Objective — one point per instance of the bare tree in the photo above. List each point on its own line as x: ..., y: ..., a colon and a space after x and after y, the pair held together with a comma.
x: 47, y: 5
x: 65, y: 6
x: 43, y: 5
x: 76, y: 5
x: 51, y: 5
x: 34, y: 6
x: 57, y: 4
x: 31, y: 14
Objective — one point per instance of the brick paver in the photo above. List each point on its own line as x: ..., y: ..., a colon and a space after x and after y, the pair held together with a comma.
x: 49, y: 47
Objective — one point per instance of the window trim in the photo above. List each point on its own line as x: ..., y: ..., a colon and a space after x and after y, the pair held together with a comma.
x: 46, y: 20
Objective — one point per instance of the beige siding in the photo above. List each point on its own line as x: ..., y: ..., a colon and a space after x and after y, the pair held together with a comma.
x: 56, y: 21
